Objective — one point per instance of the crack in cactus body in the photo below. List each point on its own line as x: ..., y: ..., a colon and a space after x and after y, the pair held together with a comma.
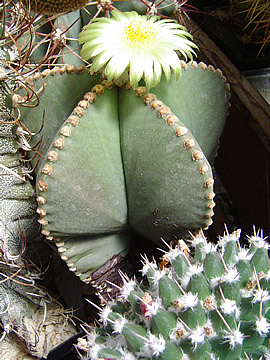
x: 136, y: 164
x: 171, y: 318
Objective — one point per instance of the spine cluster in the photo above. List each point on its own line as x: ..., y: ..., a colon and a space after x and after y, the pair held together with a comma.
x: 213, y: 304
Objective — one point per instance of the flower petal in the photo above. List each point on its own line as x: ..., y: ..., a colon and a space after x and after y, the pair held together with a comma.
x: 144, y: 46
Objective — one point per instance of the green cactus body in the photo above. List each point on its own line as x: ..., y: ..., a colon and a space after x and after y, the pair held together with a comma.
x: 135, y: 163
x: 17, y: 201
x: 182, y: 324
x: 19, y: 297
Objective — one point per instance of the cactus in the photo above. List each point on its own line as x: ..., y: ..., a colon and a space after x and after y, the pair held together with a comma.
x: 141, y: 161
x: 17, y: 200
x: 26, y: 310
x: 137, y: 163
x: 212, y: 305
x: 50, y: 7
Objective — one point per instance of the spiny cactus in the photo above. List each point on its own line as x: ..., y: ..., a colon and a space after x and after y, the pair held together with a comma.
x: 17, y: 201
x: 50, y: 7
x: 137, y: 163
x: 24, y: 308
x: 211, y: 305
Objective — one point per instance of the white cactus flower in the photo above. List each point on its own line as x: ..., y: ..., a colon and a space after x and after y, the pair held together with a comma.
x: 145, y: 47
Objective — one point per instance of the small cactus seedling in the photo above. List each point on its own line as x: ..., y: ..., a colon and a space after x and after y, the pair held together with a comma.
x: 213, y: 305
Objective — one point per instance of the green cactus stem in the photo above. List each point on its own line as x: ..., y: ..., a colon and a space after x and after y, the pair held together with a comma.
x: 136, y: 165
x: 17, y: 200
x: 224, y: 315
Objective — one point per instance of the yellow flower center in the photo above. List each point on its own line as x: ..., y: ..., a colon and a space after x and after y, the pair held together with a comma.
x: 139, y: 34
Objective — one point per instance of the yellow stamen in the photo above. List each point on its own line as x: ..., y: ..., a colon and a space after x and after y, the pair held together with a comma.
x: 139, y: 33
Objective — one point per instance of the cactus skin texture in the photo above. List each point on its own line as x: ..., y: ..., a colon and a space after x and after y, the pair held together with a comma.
x: 51, y: 7
x: 213, y: 305
x: 17, y: 199
x: 144, y: 170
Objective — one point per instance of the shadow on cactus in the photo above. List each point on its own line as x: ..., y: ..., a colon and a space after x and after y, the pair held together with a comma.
x: 213, y: 305
x: 117, y: 159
